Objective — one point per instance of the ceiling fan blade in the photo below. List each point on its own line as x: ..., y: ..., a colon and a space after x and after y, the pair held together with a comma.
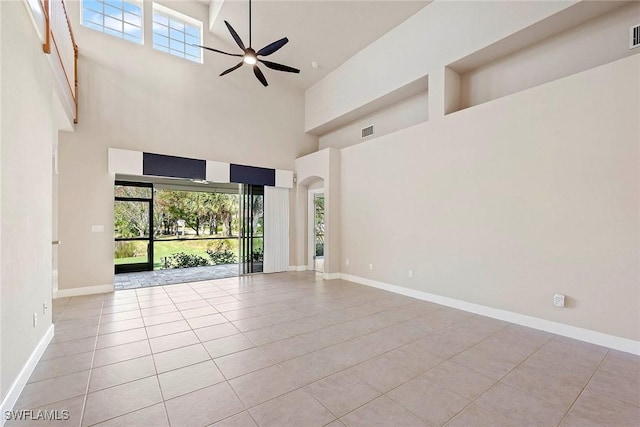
x: 235, y: 36
x: 259, y: 75
x: 270, y: 48
x: 279, y: 67
x: 235, y: 67
x: 216, y: 50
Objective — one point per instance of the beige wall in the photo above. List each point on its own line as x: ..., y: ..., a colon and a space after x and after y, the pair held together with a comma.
x: 136, y: 98
x: 509, y: 202
x: 597, y: 42
x: 408, y: 112
x: 26, y: 137
x: 438, y: 34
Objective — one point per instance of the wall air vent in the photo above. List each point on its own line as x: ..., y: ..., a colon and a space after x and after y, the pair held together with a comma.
x: 368, y: 131
x: 634, y: 36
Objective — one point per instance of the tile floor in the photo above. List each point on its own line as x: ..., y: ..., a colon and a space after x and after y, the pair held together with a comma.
x: 293, y: 350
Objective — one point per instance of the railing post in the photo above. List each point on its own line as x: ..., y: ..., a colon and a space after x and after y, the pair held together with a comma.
x: 46, y: 47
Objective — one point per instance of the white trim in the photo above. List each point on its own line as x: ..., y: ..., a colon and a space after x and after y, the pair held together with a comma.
x: 86, y: 290
x: 297, y: 268
x: 16, y: 388
x: 332, y: 276
x: 594, y: 337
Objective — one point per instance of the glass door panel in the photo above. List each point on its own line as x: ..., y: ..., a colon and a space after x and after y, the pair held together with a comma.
x: 133, y: 222
x: 251, y: 228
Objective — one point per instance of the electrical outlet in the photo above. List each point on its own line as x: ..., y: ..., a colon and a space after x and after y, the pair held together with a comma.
x: 35, y: 319
x: 410, y: 273
x: 558, y: 300
x: 370, y: 266
x: 347, y: 262
x: 44, y: 308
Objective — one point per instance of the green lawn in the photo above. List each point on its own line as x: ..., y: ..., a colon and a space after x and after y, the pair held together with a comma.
x: 164, y: 249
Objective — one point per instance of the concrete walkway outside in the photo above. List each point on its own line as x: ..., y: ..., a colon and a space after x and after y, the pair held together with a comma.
x: 145, y: 279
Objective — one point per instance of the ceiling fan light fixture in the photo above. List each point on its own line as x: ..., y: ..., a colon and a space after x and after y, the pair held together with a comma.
x: 250, y: 57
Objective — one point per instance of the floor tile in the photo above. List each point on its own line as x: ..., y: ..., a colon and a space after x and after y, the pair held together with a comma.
x: 53, y: 390
x: 227, y: 345
x: 382, y: 412
x: 169, y: 342
x: 623, y: 389
x: 598, y: 409
x: 120, y: 373
x: 121, y: 353
x: 203, y: 407
x: 428, y: 400
x: 267, y: 335
x: 460, y: 380
x: 159, y: 319
x: 552, y: 389
x: 216, y: 331
x: 119, y: 338
x: 46, y: 369
x: 243, y: 362
x: 154, y: 416
x: 190, y: 378
x: 382, y: 373
x: 180, y: 357
x: 342, y: 392
x: 243, y: 419
x: 121, y: 325
x: 262, y: 385
x: 474, y: 416
x: 287, y: 348
x: 208, y: 320
x: 296, y: 408
x: 520, y: 407
x: 69, y: 348
x: 119, y: 400
x: 167, y: 328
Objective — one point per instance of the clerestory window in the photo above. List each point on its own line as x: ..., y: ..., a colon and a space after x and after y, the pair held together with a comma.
x: 175, y: 33
x: 119, y: 18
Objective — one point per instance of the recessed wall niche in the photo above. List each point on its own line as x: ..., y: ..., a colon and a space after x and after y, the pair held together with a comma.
x: 584, y: 36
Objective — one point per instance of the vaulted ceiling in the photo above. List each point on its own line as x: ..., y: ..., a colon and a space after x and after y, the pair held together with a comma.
x: 326, y: 32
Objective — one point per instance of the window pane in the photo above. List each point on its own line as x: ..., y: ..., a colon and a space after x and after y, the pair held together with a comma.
x: 161, y: 30
x: 133, y: 19
x: 192, y: 40
x: 131, y: 252
x: 174, y: 45
x: 131, y: 219
x: 193, y: 51
x: 161, y: 19
x: 192, y: 31
x: 108, y: 17
x: 160, y: 41
x: 176, y: 35
x: 132, y: 191
x: 176, y: 25
x: 112, y: 12
x: 113, y: 24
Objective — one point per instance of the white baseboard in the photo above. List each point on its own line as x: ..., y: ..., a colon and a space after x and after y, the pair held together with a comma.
x: 87, y: 290
x: 594, y: 337
x: 16, y: 388
x: 297, y: 268
x: 331, y: 276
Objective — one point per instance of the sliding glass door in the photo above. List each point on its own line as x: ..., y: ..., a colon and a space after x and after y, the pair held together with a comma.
x: 133, y: 217
x: 251, y: 228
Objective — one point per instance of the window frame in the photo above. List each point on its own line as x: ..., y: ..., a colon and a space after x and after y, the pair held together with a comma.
x: 110, y: 31
x: 172, y: 15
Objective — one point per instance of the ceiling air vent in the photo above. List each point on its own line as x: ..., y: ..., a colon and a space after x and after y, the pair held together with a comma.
x: 368, y: 131
x: 634, y: 36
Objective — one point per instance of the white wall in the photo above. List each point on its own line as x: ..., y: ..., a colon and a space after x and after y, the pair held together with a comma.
x: 438, y: 34
x: 597, y: 42
x: 506, y: 203
x: 26, y: 135
x: 136, y: 98
x: 408, y: 112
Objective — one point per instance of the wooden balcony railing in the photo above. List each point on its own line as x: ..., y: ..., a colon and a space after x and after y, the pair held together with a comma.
x: 52, y: 24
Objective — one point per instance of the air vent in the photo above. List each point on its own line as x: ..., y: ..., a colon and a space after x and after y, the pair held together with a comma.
x: 634, y: 36
x: 368, y: 131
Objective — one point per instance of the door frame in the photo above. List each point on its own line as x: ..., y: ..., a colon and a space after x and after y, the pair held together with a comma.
x: 141, y: 266
x: 311, y: 235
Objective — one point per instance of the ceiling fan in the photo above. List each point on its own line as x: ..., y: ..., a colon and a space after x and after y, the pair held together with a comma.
x: 250, y: 56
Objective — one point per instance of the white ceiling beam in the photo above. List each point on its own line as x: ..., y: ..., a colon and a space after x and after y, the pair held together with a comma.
x: 214, y: 11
